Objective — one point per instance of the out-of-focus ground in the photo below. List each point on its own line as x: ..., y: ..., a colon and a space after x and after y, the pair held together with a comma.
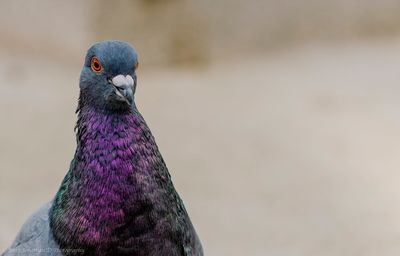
x: 299, y: 155
x: 279, y: 120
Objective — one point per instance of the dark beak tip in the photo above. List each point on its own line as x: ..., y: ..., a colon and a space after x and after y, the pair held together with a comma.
x: 125, y: 94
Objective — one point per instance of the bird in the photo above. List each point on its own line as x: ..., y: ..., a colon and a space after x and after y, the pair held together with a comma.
x: 117, y: 197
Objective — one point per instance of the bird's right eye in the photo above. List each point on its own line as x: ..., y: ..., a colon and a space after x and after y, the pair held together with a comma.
x: 95, y: 65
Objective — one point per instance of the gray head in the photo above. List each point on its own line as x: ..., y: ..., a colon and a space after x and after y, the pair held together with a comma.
x: 108, y: 78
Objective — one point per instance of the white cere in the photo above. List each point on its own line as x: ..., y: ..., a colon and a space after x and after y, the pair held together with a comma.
x: 121, y: 80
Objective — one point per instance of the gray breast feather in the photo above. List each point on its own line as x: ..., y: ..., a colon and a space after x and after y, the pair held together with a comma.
x: 35, y: 237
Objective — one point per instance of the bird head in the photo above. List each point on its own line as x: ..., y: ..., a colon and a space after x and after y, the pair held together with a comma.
x: 108, y: 78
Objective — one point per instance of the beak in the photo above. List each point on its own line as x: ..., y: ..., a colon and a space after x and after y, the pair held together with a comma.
x: 123, y: 87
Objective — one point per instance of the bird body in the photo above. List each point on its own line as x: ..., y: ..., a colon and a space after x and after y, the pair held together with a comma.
x: 35, y: 237
x: 117, y: 197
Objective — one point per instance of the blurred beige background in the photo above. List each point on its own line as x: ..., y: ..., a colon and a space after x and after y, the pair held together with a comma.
x: 279, y: 120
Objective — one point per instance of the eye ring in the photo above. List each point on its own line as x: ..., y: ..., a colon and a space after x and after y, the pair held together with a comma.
x: 95, y: 65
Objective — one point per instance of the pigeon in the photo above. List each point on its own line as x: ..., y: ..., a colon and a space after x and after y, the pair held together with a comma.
x: 117, y: 197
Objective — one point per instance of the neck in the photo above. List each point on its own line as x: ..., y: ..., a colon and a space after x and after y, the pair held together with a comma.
x: 100, y: 190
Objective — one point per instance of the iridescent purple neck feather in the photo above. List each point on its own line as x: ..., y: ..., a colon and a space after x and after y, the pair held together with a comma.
x: 101, y: 188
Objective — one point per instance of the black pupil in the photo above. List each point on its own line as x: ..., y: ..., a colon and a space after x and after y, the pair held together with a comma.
x: 96, y: 65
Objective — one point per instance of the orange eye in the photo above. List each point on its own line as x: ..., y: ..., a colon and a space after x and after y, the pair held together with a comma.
x: 96, y: 65
x: 136, y: 66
